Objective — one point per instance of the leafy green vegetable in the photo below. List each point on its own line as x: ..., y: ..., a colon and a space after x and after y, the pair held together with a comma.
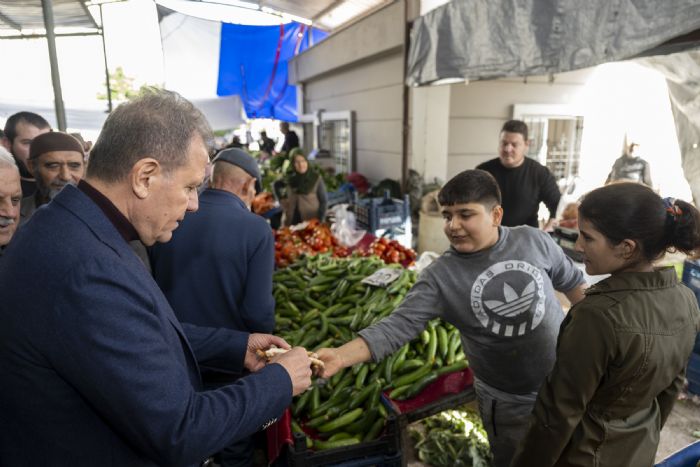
x: 453, y: 438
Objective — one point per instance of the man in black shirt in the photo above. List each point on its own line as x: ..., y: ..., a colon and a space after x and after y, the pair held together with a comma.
x: 523, y: 181
x: 20, y: 129
x: 291, y: 140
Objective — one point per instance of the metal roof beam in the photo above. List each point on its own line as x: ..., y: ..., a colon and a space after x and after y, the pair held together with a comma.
x: 87, y: 14
x: 5, y: 19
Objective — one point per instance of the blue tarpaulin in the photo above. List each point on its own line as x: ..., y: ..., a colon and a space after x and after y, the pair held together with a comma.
x: 253, y: 65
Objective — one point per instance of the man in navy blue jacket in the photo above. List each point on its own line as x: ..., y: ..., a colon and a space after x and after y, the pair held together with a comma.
x: 96, y: 369
x: 217, y: 269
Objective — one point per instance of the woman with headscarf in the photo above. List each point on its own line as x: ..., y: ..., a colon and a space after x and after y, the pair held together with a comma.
x: 306, y: 192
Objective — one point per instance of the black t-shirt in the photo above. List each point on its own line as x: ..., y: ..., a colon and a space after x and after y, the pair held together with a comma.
x: 291, y: 141
x: 522, y: 190
x: 26, y: 179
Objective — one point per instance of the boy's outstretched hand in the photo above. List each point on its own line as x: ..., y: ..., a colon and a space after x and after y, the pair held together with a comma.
x: 332, y: 362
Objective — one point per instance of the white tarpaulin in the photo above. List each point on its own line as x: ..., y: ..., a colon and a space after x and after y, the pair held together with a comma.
x: 484, y: 39
x: 223, y: 113
x: 682, y: 71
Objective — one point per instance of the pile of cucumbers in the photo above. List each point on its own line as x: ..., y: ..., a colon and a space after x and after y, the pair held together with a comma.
x: 321, y: 302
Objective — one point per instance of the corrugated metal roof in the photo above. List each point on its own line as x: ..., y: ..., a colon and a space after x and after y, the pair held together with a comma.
x: 326, y: 14
x: 19, y: 15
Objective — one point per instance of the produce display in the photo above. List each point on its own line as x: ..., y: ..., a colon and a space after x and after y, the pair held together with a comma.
x: 391, y: 251
x: 452, y: 438
x: 262, y: 202
x: 291, y: 243
x: 315, y: 237
x: 322, y: 302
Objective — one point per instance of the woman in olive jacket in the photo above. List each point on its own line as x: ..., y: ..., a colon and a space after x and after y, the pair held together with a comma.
x: 622, y: 350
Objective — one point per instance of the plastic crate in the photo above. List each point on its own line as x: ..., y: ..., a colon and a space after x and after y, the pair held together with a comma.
x: 691, y: 276
x: 383, y: 451
x: 451, y: 401
x: 394, y: 460
x: 692, y: 373
x: 373, y: 214
x: 339, y: 197
x: 686, y: 457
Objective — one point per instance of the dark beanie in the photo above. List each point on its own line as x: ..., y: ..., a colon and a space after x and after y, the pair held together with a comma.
x: 54, y: 141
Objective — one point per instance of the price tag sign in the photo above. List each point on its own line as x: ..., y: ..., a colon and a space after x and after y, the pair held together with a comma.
x: 383, y: 277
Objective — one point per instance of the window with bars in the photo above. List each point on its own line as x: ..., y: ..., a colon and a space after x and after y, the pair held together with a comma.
x: 555, y: 137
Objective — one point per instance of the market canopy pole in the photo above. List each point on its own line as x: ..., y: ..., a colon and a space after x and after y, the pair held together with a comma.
x: 47, y: 8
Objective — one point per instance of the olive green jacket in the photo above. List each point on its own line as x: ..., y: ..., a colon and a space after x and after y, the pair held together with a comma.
x: 621, y: 357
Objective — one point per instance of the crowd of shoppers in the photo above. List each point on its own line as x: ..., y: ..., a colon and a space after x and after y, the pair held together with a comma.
x: 132, y: 305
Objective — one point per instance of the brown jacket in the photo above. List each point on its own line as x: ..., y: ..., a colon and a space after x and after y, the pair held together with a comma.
x: 311, y: 205
x: 621, y: 357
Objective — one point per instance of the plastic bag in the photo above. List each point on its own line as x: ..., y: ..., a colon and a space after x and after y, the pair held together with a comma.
x: 343, y: 227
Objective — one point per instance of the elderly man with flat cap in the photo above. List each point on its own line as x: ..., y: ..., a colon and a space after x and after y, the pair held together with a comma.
x: 217, y: 269
x: 55, y: 160
x: 96, y: 369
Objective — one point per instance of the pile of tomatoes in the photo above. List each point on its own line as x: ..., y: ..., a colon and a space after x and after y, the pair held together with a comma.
x: 391, y: 251
x: 313, y: 238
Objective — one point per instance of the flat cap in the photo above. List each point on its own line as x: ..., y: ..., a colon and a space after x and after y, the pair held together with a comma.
x: 245, y: 161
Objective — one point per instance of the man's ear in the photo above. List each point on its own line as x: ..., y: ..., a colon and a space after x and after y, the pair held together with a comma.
x: 497, y: 214
x: 142, y: 175
x: 6, y: 143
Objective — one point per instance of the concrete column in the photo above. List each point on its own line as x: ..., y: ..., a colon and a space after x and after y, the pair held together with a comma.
x: 430, y: 131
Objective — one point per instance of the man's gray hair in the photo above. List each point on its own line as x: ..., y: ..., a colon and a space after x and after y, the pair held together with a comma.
x: 158, y: 124
x: 6, y: 159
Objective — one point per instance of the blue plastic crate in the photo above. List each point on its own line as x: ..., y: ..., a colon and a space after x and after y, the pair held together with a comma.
x: 686, y: 457
x: 691, y: 276
x: 373, y: 214
x: 338, y: 197
x: 692, y: 372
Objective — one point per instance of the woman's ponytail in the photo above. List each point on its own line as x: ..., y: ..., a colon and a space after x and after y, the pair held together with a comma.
x: 682, y: 226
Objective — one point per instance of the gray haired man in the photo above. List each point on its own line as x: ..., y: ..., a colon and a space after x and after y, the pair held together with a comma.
x: 10, y: 197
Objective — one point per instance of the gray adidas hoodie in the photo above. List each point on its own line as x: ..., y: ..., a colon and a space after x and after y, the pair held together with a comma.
x: 501, y: 299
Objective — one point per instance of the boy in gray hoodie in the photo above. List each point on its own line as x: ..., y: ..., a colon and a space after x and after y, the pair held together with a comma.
x: 496, y: 285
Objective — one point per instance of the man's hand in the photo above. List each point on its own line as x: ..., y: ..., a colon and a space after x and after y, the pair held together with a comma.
x: 298, y: 366
x: 261, y: 342
x: 332, y: 362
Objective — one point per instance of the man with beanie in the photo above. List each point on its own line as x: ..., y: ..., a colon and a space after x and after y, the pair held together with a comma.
x: 55, y: 160
x: 217, y: 269
x: 20, y: 129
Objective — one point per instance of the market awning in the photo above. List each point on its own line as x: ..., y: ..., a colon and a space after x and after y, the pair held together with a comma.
x: 23, y: 15
x: 485, y: 39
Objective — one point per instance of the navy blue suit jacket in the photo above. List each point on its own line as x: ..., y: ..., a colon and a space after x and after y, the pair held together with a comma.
x: 217, y: 269
x: 96, y: 369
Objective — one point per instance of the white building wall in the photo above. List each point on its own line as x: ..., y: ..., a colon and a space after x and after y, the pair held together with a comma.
x: 478, y: 110
x: 361, y: 69
x: 374, y: 91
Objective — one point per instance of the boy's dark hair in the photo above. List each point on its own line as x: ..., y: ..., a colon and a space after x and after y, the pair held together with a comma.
x: 471, y: 186
x: 516, y: 126
x: 29, y: 117
x: 634, y: 211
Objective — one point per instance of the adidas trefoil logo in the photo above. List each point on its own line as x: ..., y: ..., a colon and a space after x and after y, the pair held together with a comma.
x: 515, y: 304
